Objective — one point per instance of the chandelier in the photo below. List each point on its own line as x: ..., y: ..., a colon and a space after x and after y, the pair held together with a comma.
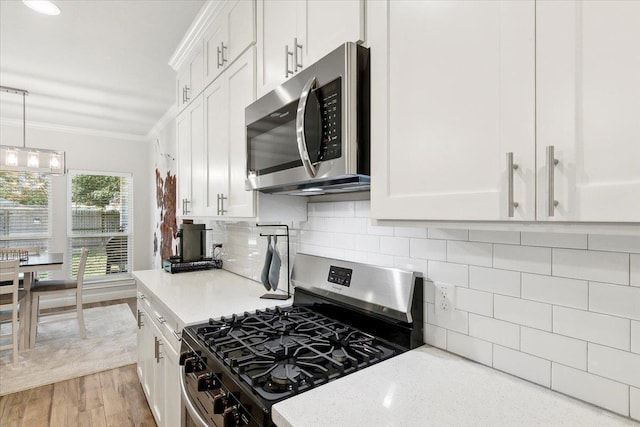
x: 27, y: 159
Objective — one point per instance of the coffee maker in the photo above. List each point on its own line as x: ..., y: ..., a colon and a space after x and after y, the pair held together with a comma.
x: 193, y: 242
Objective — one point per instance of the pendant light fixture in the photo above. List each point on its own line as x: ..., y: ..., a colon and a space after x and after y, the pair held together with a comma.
x: 23, y: 159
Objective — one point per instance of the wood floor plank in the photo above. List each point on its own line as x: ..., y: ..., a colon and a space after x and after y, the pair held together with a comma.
x: 65, y: 406
x: 94, y: 417
x: 90, y: 393
x: 38, y: 407
x: 14, y: 409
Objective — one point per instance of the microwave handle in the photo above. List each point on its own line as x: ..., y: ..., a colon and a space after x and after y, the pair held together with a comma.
x: 300, y: 136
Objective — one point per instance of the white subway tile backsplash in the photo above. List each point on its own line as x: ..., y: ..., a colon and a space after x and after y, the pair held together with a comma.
x: 474, y: 301
x: 363, y: 208
x: 617, y: 365
x: 366, y: 243
x: 635, y: 336
x: 355, y: 256
x: 598, y: 266
x: 345, y: 241
x: 429, y: 293
x: 498, y: 281
x: 356, y: 225
x: 605, y: 242
x: 611, y: 395
x: 411, y: 264
x: 398, y: 246
x: 522, y: 365
x: 457, y: 321
x: 380, y: 259
x: 321, y: 251
x: 316, y: 238
x: 522, y: 258
x: 555, y: 240
x: 635, y: 270
x: 335, y: 225
x: 495, y: 331
x: 617, y: 300
x: 558, y: 348
x: 379, y: 230
x: 634, y: 403
x: 592, y: 327
x: 417, y: 232
x: 455, y: 274
x: 472, y: 253
x: 509, y: 237
x: 448, y: 234
x: 556, y: 290
x: 469, y: 347
x: 344, y: 209
x: 523, y: 312
x: 324, y: 209
x: 435, y: 336
x: 428, y: 249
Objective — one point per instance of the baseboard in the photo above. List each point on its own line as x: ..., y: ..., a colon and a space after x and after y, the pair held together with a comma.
x: 90, y: 295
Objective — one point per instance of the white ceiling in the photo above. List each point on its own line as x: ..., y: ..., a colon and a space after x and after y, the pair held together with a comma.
x: 99, y: 65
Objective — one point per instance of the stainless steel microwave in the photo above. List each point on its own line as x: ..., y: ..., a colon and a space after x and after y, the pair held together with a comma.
x: 311, y: 134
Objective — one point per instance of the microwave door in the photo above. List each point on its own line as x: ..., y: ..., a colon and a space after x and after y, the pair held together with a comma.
x: 309, y: 128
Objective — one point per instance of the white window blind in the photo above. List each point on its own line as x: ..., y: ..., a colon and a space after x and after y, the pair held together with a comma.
x: 25, y: 210
x: 100, y: 212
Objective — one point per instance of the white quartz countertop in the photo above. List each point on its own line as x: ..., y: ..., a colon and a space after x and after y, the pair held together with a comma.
x: 194, y: 297
x: 430, y: 387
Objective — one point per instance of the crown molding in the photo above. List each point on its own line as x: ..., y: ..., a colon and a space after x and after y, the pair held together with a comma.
x: 194, y: 34
x: 169, y: 115
x: 75, y: 130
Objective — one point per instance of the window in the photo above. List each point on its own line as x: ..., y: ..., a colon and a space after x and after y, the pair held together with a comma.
x: 25, y: 213
x: 100, y: 213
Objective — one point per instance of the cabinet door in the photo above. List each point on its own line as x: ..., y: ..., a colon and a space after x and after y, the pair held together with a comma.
x: 196, y: 67
x: 172, y: 397
x: 216, y: 128
x: 277, y: 23
x: 183, y: 80
x: 452, y: 92
x: 241, y: 24
x: 183, y: 154
x: 588, y: 109
x: 213, y: 41
x: 241, y: 92
x: 198, y: 157
x: 145, y: 354
x: 347, y: 24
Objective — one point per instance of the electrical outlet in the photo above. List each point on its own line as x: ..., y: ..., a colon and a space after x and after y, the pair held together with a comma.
x: 445, y: 299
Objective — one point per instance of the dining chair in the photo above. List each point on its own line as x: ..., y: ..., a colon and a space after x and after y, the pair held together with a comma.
x: 10, y: 296
x: 53, y: 287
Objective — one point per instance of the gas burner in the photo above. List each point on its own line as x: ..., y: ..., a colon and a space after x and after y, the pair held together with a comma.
x: 285, y: 374
x: 276, y: 344
x: 339, y: 355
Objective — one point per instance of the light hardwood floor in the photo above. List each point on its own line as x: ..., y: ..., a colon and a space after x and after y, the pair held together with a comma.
x: 109, y: 398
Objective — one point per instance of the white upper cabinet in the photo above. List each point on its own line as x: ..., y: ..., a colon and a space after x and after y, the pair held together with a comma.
x: 225, y: 100
x: 294, y: 34
x: 452, y: 93
x: 190, y: 79
x: 191, y: 159
x: 588, y: 96
x: 230, y: 34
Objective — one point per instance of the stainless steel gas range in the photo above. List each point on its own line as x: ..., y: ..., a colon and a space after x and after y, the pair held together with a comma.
x: 345, y: 317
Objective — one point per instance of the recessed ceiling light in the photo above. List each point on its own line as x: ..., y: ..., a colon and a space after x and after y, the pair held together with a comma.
x: 43, y: 6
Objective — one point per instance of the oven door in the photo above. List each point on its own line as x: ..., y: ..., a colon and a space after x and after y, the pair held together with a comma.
x: 192, y: 417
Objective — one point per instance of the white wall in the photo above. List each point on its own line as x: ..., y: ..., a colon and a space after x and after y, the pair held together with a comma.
x: 560, y: 310
x: 95, y: 153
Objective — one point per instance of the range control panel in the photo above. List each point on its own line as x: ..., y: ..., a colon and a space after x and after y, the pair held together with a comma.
x: 340, y: 275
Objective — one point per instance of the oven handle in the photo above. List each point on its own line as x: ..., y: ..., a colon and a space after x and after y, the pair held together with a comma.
x: 195, y: 416
x: 302, y: 141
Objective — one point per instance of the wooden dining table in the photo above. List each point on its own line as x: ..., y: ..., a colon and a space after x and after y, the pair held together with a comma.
x: 46, y: 261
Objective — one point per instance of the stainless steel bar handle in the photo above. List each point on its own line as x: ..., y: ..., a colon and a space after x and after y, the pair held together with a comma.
x: 551, y: 166
x: 511, y: 167
x: 183, y: 95
x: 287, y: 54
x: 161, y: 319
x: 140, y: 324
x: 186, y: 206
x: 300, y: 136
x: 218, y: 57
x: 222, y: 49
x: 297, y: 65
x: 176, y: 335
x: 222, y: 199
x: 156, y: 349
x: 191, y: 409
x: 186, y: 91
x: 218, y: 204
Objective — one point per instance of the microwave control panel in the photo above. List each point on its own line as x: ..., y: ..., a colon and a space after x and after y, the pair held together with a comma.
x: 331, y: 110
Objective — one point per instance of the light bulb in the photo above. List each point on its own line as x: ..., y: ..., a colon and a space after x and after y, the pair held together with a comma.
x: 42, y: 6
x: 33, y: 159
x: 54, y: 163
x: 12, y: 158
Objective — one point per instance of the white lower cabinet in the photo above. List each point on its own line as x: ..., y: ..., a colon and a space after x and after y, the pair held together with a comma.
x: 158, y: 369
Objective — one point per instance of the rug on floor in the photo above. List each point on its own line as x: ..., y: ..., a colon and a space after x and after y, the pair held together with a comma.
x: 60, y: 354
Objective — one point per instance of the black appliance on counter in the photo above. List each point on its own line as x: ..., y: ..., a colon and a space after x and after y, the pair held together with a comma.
x: 192, y: 250
x: 345, y: 317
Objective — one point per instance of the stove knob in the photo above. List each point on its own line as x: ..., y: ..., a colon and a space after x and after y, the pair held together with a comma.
x: 219, y: 403
x: 185, y: 355
x: 235, y: 416
x: 194, y: 364
x: 208, y: 381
